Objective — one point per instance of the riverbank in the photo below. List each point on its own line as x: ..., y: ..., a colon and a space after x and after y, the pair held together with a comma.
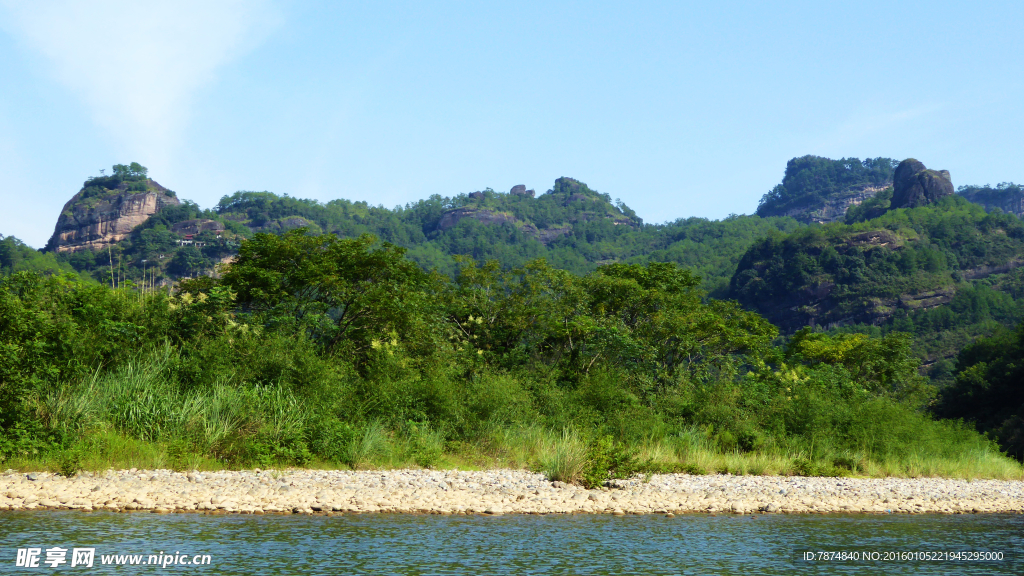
x: 495, y: 492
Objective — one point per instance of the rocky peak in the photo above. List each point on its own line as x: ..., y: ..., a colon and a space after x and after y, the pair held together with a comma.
x: 915, y: 185
x: 106, y: 210
x: 546, y: 218
x: 570, y: 186
x: 520, y: 190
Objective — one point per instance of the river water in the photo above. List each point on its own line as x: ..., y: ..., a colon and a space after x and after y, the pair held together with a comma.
x: 556, y: 544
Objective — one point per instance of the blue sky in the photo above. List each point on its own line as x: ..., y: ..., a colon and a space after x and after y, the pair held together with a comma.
x: 679, y: 109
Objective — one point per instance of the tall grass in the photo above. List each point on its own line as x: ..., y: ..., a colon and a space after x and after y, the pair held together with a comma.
x: 563, y: 456
x: 372, y: 445
x: 566, y: 457
x: 157, y: 421
x: 142, y: 414
x: 140, y: 401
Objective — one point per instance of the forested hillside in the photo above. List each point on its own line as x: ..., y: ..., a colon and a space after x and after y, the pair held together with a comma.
x: 1007, y: 197
x: 571, y: 226
x: 15, y: 256
x: 938, y: 272
x: 313, y: 350
x: 575, y: 228
x: 455, y: 325
x: 816, y: 189
x: 989, y: 388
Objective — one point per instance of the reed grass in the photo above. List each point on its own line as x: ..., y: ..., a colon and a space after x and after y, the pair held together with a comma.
x: 565, y: 458
x: 139, y: 415
x: 373, y: 445
x: 560, y: 456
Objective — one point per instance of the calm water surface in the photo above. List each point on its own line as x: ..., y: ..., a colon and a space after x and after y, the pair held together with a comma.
x: 578, y: 544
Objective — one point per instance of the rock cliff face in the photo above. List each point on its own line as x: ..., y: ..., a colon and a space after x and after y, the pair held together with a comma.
x: 1008, y: 197
x: 816, y: 305
x: 835, y: 208
x: 95, y: 222
x: 452, y: 217
x: 197, y: 226
x: 914, y: 185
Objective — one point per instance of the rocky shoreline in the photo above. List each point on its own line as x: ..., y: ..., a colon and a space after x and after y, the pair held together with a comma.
x: 494, y: 492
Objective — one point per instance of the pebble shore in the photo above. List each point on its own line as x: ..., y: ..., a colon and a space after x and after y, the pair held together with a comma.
x: 494, y: 492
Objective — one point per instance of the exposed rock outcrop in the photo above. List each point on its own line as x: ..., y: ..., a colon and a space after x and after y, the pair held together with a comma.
x: 95, y: 222
x: 914, y: 185
x: 815, y: 305
x: 288, y: 223
x: 583, y: 205
x: 520, y: 190
x: 568, y: 185
x: 986, y: 271
x: 197, y: 226
x: 549, y: 235
x: 879, y: 238
x: 1008, y: 197
x: 546, y: 235
x: 835, y: 208
x: 452, y: 217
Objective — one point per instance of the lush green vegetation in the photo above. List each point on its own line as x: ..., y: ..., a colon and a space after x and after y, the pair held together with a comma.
x: 811, y: 180
x: 989, y: 388
x: 871, y: 208
x: 864, y: 272
x: 131, y: 177
x: 589, y: 342
x: 15, y: 256
x: 940, y: 273
x: 572, y: 227
x: 1006, y: 196
x: 314, y: 349
x: 980, y: 308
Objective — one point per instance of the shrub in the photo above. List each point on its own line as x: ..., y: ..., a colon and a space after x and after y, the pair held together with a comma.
x: 566, y: 460
x: 607, y: 460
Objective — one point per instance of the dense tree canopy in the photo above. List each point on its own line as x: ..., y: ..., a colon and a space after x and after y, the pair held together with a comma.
x: 989, y: 388
x: 810, y: 180
x: 841, y: 271
x: 337, y: 291
x: 563, y: 311
x: 310, y: 342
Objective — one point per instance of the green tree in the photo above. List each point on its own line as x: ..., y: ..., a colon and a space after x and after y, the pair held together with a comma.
x: 189, y: 261
x: 347, y: 294
x: 989, y: 389
x: 137, y: 170
x: 133, y: 171
x: 648, y: 319
x: 880, y: 365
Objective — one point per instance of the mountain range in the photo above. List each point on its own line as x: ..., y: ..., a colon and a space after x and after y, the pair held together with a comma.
x: 849, y: 244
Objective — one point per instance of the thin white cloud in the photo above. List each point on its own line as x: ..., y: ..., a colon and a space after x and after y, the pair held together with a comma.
x: 870, y: 124
x: 138, y: 65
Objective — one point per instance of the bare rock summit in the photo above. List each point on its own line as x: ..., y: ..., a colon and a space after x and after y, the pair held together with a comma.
x: 915, y: 185
x: 98, y: 217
